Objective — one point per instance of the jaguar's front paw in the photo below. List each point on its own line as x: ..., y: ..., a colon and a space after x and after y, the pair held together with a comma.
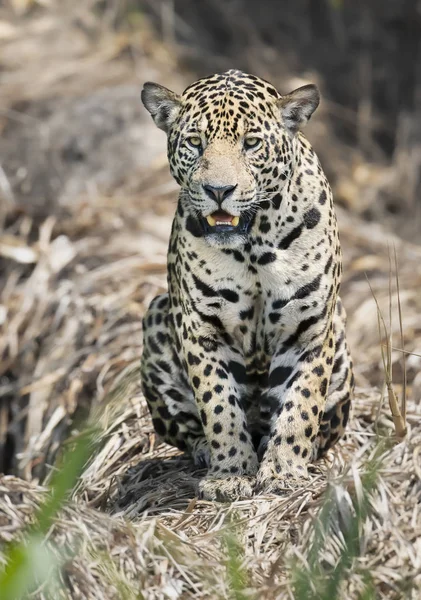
x: 226, y: 489
x: 277, y: 478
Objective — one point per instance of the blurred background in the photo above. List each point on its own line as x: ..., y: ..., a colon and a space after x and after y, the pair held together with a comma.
x: 86, y: 199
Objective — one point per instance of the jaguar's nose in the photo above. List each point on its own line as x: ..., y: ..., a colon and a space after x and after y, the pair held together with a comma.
x: 219, y: 194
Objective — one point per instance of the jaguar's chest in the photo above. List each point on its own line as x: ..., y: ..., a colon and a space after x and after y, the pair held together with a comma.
x: 258, y: 322
x: 257, y: 293
x: 255, y: 307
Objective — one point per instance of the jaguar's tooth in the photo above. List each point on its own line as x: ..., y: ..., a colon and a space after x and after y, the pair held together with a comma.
x: 211, y: 220
x: 235, y: 221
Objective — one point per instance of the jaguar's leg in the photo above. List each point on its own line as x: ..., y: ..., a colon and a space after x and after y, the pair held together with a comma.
x: 310, y: 391
x: 166, y: 388
x: 218, y: 380
x: 341, y: 386
x: 298, y: 381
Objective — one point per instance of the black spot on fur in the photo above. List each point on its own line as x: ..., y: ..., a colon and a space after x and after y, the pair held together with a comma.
x: 286, y: 242
x: 204, y: 288
x: 193, y: 360
x: 221, y: 373
x: 193, y: 227
x: 247, y: 314
x: 238, y: 256
x: 279, y: 376
x: 309, y: 288
x: 277, y: 304
x: 319, y: 370
x: 264, y: 227
x: 276, y: 201
x: 312, y: 217
x: 266, y: 258
x: 328, y: 264
x: 207, y: 397
x: 238, y: 371
x: 229, y: 295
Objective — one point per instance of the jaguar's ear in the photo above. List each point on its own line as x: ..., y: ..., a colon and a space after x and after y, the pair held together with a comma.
x: 162, y: 103
x: 298, y: 106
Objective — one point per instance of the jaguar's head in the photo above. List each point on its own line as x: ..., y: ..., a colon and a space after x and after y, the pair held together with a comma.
x: 230, y: 146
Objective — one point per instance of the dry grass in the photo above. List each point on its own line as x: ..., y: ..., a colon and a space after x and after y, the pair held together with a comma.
x: 134, y: 521
x: 74, y: 285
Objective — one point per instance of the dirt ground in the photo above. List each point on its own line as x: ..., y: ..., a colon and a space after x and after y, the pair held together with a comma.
x: 86, y: 203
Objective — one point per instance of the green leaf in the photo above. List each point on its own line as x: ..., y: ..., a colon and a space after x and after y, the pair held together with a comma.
x: 236, y: 573
x: 31, y: 562
x: 65, y: 477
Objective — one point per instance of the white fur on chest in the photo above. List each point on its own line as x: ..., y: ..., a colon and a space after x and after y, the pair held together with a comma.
x: 257, y: 293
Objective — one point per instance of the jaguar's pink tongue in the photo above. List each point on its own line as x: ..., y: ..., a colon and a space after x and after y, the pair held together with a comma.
x: 222, y: 216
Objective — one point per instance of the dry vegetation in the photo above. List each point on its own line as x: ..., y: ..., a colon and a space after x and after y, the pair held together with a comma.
x: 86, y: 205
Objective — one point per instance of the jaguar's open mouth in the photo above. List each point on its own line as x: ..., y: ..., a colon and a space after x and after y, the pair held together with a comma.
x: 222, y: 222
x: 222, y: 218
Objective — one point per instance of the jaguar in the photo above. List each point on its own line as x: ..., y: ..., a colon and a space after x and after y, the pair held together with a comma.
x: 245, y: 363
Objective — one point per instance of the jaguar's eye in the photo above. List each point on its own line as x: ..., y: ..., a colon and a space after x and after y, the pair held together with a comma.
x: 251, y: 143
x: 194, y: 141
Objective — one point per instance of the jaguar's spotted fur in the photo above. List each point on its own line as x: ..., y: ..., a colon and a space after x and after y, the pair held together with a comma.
x: 245, y: 363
